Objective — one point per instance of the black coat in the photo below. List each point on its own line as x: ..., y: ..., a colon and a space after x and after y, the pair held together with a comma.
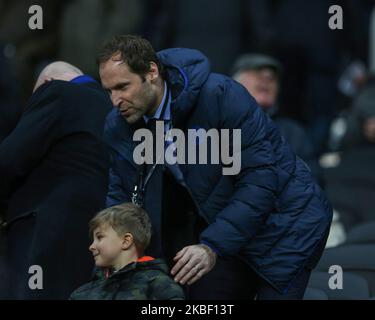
x: 9, y: 115
x: 9, y: 106
x: 53, y: 169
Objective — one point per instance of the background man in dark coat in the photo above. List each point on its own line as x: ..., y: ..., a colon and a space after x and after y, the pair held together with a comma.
x: 229, y: 237
x: 261, y: 75
x: 53, y: 169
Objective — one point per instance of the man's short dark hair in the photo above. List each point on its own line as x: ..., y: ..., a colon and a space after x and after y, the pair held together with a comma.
x: 135, y: 51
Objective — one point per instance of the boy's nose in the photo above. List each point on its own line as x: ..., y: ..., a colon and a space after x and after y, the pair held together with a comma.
x: 92, y: 247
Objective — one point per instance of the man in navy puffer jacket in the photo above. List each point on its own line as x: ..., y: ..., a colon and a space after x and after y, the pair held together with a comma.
x: 259, y: 232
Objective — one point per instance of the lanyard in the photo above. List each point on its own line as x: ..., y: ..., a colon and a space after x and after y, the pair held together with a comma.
x: 142, y: 178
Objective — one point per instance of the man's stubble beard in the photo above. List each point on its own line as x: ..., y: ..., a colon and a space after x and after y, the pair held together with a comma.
x: 149, y: 99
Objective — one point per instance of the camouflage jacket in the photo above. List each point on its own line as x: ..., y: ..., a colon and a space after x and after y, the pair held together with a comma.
x: 146, y: 279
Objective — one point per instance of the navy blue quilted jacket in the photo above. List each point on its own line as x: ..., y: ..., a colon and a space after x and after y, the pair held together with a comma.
x: 272, y: 214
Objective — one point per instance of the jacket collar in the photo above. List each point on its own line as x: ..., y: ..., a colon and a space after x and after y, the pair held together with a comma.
x: 186, y: 70
x: 108, y: 273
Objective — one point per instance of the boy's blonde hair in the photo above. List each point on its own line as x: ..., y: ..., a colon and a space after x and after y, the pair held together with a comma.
x: 125, y: 218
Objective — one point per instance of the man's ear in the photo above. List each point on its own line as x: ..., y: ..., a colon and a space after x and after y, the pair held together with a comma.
x: 127, y: 241
x: 153, y: 74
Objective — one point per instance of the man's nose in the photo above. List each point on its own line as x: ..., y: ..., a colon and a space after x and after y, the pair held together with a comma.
x: 116, y: 99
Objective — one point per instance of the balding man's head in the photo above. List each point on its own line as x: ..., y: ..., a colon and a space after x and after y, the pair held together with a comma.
x: 58, y: 70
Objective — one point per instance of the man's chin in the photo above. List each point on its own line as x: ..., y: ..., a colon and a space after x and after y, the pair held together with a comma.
x: 132, y: 119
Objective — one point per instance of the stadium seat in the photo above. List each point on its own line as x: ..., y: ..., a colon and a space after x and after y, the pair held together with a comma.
x: 355, y: 287
x: 315, y: 294
x: 356, y: 259
x: 362, y: 233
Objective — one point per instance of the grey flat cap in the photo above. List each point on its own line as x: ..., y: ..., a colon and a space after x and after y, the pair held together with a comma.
x: 256, y: 61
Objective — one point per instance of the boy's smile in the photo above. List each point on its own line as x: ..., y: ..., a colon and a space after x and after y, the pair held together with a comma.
x: 106, y: 246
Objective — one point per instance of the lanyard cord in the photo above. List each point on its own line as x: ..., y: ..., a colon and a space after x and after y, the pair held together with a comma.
x: 140, y: 186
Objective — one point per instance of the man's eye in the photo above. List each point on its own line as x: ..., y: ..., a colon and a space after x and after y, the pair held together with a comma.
x: 124, y: 87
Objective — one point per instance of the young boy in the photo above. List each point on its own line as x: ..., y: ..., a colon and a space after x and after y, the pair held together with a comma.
x: 120, y: 236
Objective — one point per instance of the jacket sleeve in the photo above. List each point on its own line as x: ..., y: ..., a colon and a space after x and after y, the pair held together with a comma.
x: 255, y: 185
x: 116, y: 191
x: 165, y: 288
x: 27, y: 144
x: 114, y: 131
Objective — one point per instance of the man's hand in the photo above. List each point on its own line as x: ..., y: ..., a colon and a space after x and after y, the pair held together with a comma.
x: 192, y: 263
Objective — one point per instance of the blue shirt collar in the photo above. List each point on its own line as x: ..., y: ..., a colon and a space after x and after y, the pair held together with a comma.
x: 82, y: 79
x: 167, y: 113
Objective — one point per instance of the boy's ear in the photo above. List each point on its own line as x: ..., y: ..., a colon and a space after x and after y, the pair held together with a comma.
x: 127, y: 241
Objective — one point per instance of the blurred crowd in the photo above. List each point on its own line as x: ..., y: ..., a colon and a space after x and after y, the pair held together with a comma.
x: 316, y: 83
